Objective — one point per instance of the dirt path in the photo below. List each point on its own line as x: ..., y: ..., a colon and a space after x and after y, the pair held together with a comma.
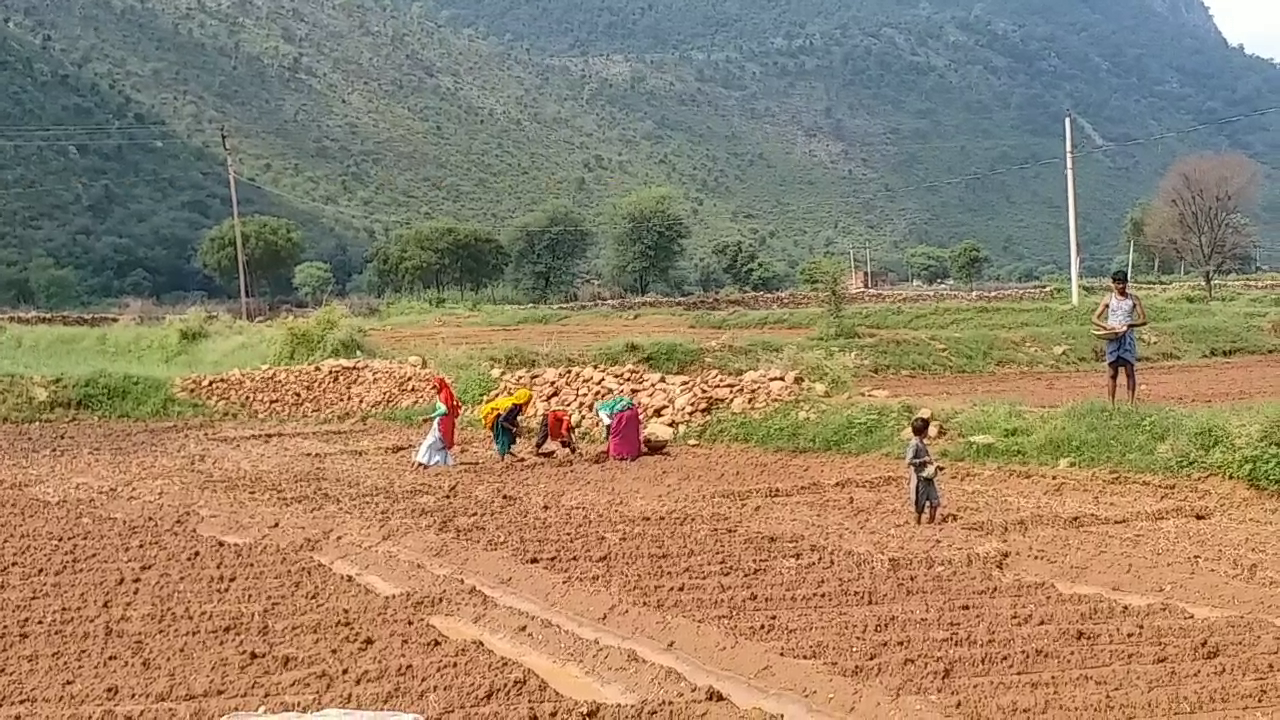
x: 1247, y: 379
x: 573, y: 334
x: 797, y: 585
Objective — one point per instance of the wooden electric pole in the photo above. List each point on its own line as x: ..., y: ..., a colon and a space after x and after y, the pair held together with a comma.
x: 241, y: 268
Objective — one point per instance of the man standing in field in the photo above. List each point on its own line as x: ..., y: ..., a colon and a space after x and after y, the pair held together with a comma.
x: 1121, y: 312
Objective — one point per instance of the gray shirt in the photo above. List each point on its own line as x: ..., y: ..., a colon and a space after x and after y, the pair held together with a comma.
x: 917, y: 456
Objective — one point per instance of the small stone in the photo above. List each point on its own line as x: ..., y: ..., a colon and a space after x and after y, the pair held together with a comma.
x: 820, y: 390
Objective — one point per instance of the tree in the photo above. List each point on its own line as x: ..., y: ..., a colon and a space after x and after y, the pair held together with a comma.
x: 927, y: 264
x: 706, y: 271
x: 313, y: 281
x: 650, y: 240
x: 437, y: 255
x: 1200, y: 215
x: 742, y: 260
x: 1135, y: 231
x: 547, y: 249
x: 52, y: 287
x: 968, y: 261
x: 272, y: 247
x: 829, y: 277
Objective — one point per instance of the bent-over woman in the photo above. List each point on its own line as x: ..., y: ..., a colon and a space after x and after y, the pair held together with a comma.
x: 502, y: 418
x: 621, y: 418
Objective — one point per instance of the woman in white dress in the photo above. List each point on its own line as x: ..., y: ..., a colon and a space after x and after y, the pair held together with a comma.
x: 437, y: 449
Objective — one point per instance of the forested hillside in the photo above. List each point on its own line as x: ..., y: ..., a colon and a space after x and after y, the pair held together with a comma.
x: 824, y: 123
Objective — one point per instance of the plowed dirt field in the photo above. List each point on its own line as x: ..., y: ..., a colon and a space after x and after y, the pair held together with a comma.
x: 194, y: 569
x: 1248, y: 379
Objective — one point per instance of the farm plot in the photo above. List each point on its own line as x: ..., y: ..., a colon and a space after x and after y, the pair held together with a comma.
x: 709, y: 582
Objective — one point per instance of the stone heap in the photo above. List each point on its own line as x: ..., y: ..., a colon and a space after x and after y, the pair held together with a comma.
x: 331, y: 388
x: 667, y: 403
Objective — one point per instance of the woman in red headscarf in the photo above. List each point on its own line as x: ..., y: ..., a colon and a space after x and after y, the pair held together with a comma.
x: 436, y: 449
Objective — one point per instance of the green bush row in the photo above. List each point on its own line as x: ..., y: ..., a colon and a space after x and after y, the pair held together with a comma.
x: 1242, y: 443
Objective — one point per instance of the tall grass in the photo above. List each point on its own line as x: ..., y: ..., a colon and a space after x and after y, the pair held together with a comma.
x: 164, y: 351
x: 1242, y: 444
x: 105, y: 395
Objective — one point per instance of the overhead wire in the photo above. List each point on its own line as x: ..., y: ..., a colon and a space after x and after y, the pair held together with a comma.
x: 816, y: 203
x: 332, y: 208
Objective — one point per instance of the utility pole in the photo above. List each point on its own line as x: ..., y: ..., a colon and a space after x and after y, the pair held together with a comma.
x: 1131, y: 259
x: 868, y: 248
x: 1071, y: 214
x: 853, y: 266
x: 241, y: 268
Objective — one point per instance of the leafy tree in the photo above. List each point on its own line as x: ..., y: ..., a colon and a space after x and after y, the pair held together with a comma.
x: 437, y: 255
x: 650, y: 241
x: 968, y: 261
x: 548, y: 248
x: 706, y: 271
x: 52, y: 287
x: 313, y: 281
x: 272, y: 247
x: 829, y: 277
x: 744, y: 263
x: 1016, y: 273
x: 927, y: 264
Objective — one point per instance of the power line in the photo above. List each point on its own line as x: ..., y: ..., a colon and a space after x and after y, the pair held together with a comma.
x: 76, y: 128
x: 1176, y: 133
x: 72, y: 141
x: 86, y: 183
x: 895, y: 191
x: 729, y: 216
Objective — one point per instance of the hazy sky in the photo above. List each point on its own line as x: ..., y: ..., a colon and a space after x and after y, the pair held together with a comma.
x: 1252, y: 23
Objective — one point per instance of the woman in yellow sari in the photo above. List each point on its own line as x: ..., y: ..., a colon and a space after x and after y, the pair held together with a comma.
x: 502, y: 418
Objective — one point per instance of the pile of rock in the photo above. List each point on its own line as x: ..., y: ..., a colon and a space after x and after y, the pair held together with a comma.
x: 331, y: 388
x: 667, y: 403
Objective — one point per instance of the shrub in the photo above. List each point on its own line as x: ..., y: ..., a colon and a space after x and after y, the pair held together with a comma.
x: 330, y: 333
x: 133, y: 397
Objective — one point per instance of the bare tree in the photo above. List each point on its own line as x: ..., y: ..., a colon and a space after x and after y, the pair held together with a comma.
x: 1200, y: 215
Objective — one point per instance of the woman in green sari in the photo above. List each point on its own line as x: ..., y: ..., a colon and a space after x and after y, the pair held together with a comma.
x: 502, y: 418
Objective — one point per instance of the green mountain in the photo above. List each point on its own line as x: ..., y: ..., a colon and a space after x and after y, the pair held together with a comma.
x: 829, y: 123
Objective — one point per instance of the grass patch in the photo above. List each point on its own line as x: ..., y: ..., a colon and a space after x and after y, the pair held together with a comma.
x: 855, y: 430
x: 109, y: 396
x: 1242, y: 444
x: 127, y: 397
x: 186, y: 347
x: 664, y: 356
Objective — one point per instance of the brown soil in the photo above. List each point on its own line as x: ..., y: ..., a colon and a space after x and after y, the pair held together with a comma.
x: 796, y: 584
x: 1202, y: 383
x: 572, y: 334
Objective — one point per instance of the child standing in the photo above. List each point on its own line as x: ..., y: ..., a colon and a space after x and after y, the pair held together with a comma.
x: 923, y: 486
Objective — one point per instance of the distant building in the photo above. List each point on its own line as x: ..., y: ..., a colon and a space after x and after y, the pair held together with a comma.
x: 879, y: 279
